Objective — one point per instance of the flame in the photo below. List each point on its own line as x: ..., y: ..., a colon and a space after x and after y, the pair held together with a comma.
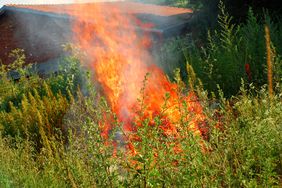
x: 120, y: 59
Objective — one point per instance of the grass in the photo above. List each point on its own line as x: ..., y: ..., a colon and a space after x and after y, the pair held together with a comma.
x: 52, y: 136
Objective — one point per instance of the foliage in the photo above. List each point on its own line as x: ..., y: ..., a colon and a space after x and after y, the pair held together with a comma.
x: 232, y: 52
x: 54, y: 131
x: 242, y: 148
x: 36, y: 118
x: 32, y: 107
x: 176, y: 3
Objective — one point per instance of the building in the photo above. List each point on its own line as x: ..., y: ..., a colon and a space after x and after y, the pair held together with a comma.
x: 42, y: 29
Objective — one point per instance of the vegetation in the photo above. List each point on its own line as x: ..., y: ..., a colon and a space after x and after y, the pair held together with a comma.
x: 51, y: 132
x: 231, y: 52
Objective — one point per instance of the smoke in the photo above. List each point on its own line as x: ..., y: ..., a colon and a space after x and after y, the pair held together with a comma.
x: 41, y: 36
x: 118, y: 53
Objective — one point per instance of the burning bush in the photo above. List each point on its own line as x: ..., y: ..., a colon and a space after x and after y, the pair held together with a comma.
x: 160, y: 120
x: 120, y: 60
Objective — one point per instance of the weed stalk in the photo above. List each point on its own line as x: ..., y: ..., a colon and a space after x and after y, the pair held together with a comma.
x: 269, y: 62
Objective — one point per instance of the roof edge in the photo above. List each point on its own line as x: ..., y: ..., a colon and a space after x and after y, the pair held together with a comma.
x: 2, y: 9
x: 37, y: 12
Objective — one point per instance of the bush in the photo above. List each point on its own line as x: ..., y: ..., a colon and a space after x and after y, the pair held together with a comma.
x: 32, y: 107
x: 54, y: 134
x: 231, y: 53
x: 243, y: 147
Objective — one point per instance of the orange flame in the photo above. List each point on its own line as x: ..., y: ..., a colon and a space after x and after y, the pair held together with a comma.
x: 120, y: 59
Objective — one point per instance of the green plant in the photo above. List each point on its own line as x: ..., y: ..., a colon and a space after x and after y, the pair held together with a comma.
x: 243, y: 147
x: 231, y: 53
x: 57, y: 133
x: 32, y: 107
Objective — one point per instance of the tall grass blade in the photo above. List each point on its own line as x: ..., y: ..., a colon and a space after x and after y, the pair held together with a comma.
x: 269, y: 61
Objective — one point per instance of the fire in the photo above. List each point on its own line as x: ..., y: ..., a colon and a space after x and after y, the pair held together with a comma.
x: 120, y: 59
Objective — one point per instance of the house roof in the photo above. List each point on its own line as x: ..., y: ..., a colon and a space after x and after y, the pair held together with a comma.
x: 124, y: 7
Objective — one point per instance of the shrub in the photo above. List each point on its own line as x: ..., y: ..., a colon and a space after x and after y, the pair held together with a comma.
x: 243, y: 149
x: 232, y: 52
x: 36, y: 118
x: 53, y: 134
x: 32, y: 107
